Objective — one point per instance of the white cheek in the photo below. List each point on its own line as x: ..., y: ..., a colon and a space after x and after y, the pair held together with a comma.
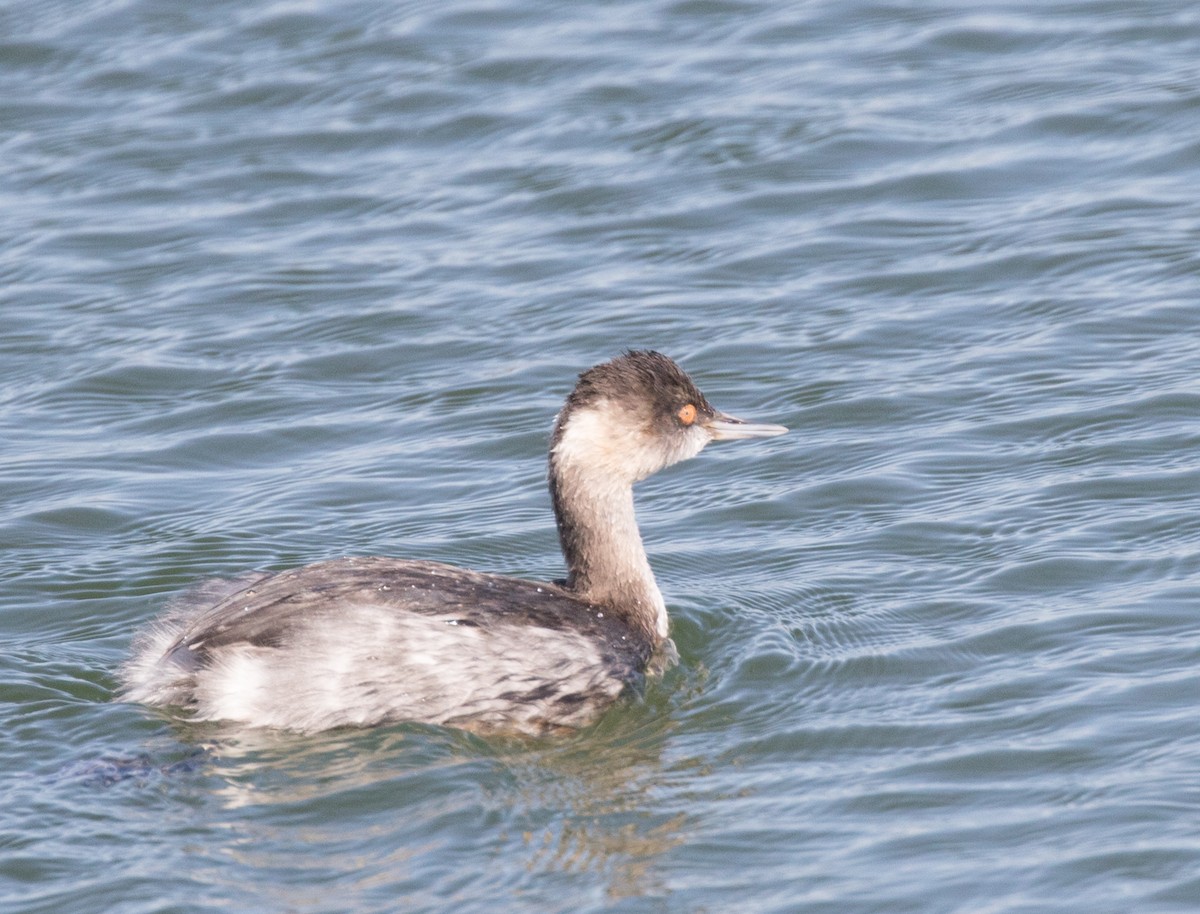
x: 594, y: 438
x: 693, y: 442
x: 603, y: 441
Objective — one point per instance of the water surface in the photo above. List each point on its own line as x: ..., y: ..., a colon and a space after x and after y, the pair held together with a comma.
x: 285, y: 281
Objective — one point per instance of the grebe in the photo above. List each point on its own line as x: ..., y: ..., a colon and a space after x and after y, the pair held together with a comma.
x: 364, y: 641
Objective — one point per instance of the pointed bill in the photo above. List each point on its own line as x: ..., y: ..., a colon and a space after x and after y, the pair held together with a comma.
x: 723, y: 427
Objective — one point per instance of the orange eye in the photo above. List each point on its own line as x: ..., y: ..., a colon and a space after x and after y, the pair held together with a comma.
x: 687, y: 415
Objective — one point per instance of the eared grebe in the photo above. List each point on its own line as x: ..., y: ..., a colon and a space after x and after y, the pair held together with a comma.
x: 362, y: 641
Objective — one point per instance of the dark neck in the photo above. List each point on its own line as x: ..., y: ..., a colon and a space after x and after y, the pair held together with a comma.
x: 606, y: 562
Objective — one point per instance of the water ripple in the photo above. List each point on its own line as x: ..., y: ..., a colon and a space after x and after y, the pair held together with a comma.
x: 281, y: 282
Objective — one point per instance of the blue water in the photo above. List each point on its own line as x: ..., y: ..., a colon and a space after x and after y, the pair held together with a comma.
x: 286, y: 281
